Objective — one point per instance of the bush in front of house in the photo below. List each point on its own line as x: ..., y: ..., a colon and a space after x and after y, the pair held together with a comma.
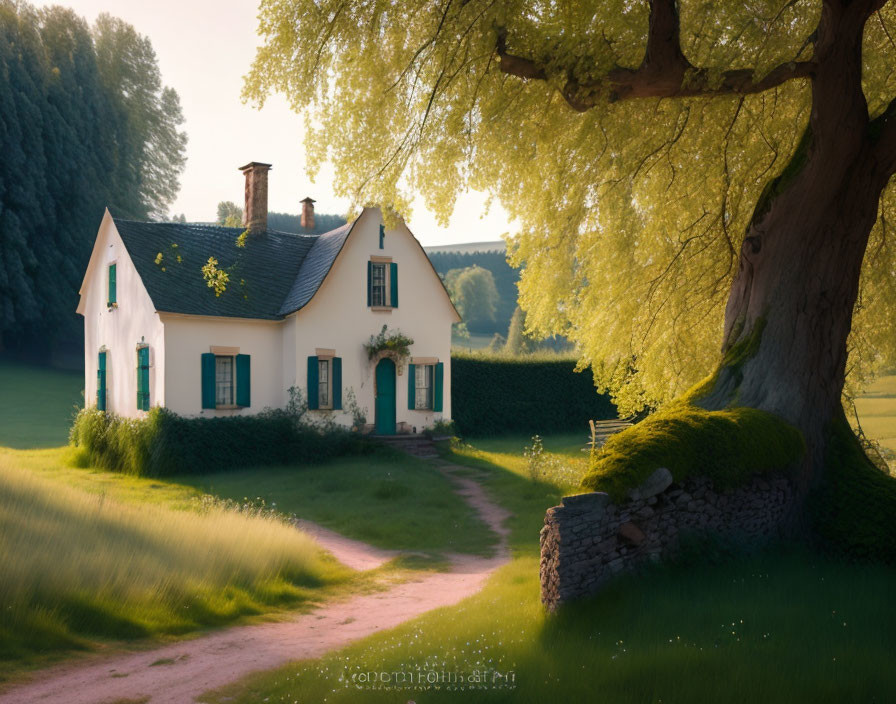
x: 165, y: 444
x: 500, y: 395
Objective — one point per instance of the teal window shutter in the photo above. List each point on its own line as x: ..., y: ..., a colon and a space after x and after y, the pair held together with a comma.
x: 113, y: 293
x: 393, y: 281
x: 412, y: 387
x: 143, y: 378
x: 382, y: 235
x: 101, y: 383
x: 313, y: 391
x: 336, y: 383
x: 243, y: 381
x: 437, y: 391
x: 139, y: 384
x: 208, y: 380
x: 369, y: 284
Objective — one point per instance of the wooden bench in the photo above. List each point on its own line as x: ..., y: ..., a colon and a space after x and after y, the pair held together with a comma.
x: 602, y: 429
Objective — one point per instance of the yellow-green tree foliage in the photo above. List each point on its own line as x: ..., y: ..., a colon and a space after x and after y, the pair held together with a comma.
x: 631, y: 214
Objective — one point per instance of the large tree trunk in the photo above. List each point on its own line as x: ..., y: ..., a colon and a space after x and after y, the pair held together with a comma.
x: 791, y: 304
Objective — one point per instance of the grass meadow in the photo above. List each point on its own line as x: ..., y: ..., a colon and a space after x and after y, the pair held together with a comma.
x: 37, y: 405
x: 89, y: 556
x: 783, y: 626
x: 78, y: 565
x: 395, y: 502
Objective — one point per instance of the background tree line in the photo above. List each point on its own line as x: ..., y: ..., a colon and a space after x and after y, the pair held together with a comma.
x: 85, y: 123
x: 231, y: 215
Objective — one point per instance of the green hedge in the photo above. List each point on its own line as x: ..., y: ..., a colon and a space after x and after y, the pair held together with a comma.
x: 165, y: 444
x: 497, y: 396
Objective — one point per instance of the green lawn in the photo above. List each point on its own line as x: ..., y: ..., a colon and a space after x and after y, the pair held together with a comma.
x: 566, y: 444
x: 563, y: 463
x: 392, y: 502
x: 37, y: 405
x: 779, y: 627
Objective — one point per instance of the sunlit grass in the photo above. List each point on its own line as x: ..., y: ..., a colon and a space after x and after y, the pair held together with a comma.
x: 562, y: 463
x: 780, y: 627
x: 774, y: 629
x: 76, y: 566
x: 394, y: 502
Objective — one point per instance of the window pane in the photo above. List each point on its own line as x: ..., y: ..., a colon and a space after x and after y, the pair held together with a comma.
x: 224, y: 381
x: 378, y: 285
x: 423, y: 382
x: 323, y: 387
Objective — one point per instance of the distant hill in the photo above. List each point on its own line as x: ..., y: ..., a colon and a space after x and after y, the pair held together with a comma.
x: 468, y: 247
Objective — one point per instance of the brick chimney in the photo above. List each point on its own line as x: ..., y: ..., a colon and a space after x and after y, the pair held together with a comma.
x: 255, y: 214
x: 307, y: 214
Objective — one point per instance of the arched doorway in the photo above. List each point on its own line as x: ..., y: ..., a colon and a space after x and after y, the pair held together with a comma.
x: 385, y: 397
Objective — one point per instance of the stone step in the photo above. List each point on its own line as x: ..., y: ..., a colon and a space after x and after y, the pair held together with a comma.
x: 416, y: 445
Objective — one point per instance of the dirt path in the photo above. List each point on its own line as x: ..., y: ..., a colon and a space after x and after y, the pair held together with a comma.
x: 351, y: 553
x: 181, y: 672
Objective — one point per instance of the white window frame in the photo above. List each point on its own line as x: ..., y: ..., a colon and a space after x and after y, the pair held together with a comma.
x: 325, y: 363
x: 384, y: 302
x: 232, y: 404
x: 428, y: 370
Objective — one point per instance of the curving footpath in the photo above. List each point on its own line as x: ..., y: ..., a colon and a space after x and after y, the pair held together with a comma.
x: 180, y: 672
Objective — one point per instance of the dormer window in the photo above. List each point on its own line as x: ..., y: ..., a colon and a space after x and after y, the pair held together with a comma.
x: 112, y: 293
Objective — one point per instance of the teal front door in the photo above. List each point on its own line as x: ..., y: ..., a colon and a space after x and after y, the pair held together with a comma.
x: 385, y: 397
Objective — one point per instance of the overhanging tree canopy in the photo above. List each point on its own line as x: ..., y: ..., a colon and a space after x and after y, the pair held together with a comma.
x: 667, y: 161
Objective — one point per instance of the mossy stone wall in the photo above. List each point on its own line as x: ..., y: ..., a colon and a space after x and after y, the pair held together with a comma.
x: 588, y: 540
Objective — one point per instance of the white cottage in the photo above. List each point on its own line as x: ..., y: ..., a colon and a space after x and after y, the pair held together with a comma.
x: 295, y: 311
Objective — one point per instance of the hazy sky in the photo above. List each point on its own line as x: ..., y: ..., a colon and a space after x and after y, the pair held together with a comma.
x: 204, y: 48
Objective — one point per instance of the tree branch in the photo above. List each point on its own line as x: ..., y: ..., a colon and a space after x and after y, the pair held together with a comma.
x: 664, y: 72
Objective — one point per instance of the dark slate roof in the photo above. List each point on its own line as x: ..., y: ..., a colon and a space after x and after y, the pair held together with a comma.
x: 315, y: 268
x: 267, y: 275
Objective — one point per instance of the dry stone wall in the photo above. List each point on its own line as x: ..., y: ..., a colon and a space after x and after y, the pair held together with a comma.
x: 588, y: 540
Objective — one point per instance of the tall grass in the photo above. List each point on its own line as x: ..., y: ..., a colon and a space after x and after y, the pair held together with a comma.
x: 77, y: 566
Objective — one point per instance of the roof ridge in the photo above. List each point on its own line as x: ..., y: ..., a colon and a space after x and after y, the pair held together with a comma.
x: 215, y: 226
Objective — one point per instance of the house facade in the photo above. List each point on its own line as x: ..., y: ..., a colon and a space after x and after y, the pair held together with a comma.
x: 213, y: 321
